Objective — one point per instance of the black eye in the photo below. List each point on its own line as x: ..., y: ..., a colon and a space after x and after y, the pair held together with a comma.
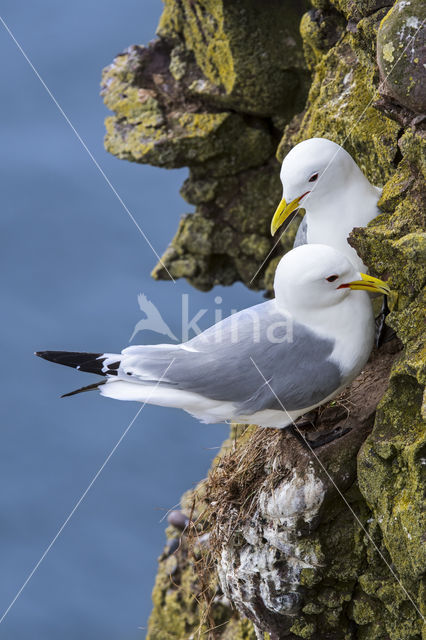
x: 313, y: 177
x: 331, y: 278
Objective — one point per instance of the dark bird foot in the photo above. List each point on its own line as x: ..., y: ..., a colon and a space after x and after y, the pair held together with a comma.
x: 308, y: 420
x: 325, y: 438
x: 383, y: 332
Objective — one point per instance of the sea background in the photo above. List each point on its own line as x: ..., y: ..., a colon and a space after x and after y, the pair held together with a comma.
x: 72, y: 266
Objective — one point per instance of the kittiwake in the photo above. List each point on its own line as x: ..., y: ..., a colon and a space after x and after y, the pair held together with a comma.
x: 319, y: 176
x: 266, y: 365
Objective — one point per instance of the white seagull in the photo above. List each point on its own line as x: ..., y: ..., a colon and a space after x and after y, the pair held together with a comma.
x: 322, y: 178
x: 266, y: 365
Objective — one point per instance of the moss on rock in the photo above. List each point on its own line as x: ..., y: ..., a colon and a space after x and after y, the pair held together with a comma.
x: 225, y: 38
x: 354, y: 10
x: 220, y: 143
x: 390, y: 470
x: 228, y: 237
x: 320, y: 30
x: 340, y: 107
x: 201, y: 96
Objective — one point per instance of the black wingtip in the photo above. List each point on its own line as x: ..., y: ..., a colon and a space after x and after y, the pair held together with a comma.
x: 52, y: 356
x: 90, y: 387
x: 46, y: 355
x: 89, y: 362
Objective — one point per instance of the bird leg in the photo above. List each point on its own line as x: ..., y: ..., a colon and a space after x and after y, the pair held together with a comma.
x: 325, y: 438
x: 383, y: 332
x: 330, y: 436
x: 308, y: 419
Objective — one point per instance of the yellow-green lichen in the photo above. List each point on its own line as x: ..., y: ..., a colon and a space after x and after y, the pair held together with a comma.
x: 202, y: 28
x: 189, y: 138
x: 388, y: 50
x: 225, y: 38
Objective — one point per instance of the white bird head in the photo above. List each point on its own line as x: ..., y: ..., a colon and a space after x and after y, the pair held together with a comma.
x: 314, y: 276
x: 312, y: 174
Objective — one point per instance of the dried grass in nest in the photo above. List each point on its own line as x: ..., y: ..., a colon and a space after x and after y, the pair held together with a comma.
x: 206, y: 588
x: 232, y: 487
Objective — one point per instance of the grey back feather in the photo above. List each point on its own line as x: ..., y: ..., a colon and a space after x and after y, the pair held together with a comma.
x: 219, y: 363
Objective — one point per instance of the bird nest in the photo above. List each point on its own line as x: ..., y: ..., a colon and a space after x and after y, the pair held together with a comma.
x: 251, y: 460
x: 255, y: 463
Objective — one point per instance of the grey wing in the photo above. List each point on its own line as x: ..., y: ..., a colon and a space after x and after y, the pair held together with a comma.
x: 227, y: 362
x: 302, y: 234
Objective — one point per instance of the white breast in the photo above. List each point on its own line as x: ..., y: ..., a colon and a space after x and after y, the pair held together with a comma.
x: 353, y: 329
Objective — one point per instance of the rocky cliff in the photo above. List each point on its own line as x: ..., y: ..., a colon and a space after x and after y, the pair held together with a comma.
x: 282, y: 541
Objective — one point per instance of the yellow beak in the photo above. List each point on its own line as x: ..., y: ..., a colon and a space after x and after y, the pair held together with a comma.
x: 282, y: 213
x: 368, y: 283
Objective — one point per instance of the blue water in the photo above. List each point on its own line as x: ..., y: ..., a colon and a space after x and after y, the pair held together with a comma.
x: 72, y: 266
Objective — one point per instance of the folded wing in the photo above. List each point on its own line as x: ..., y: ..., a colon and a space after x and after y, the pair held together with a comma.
x: 223, y: 363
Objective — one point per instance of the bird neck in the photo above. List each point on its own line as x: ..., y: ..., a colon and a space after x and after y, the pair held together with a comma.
x: 354, y: 202
x: 331, y: 222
